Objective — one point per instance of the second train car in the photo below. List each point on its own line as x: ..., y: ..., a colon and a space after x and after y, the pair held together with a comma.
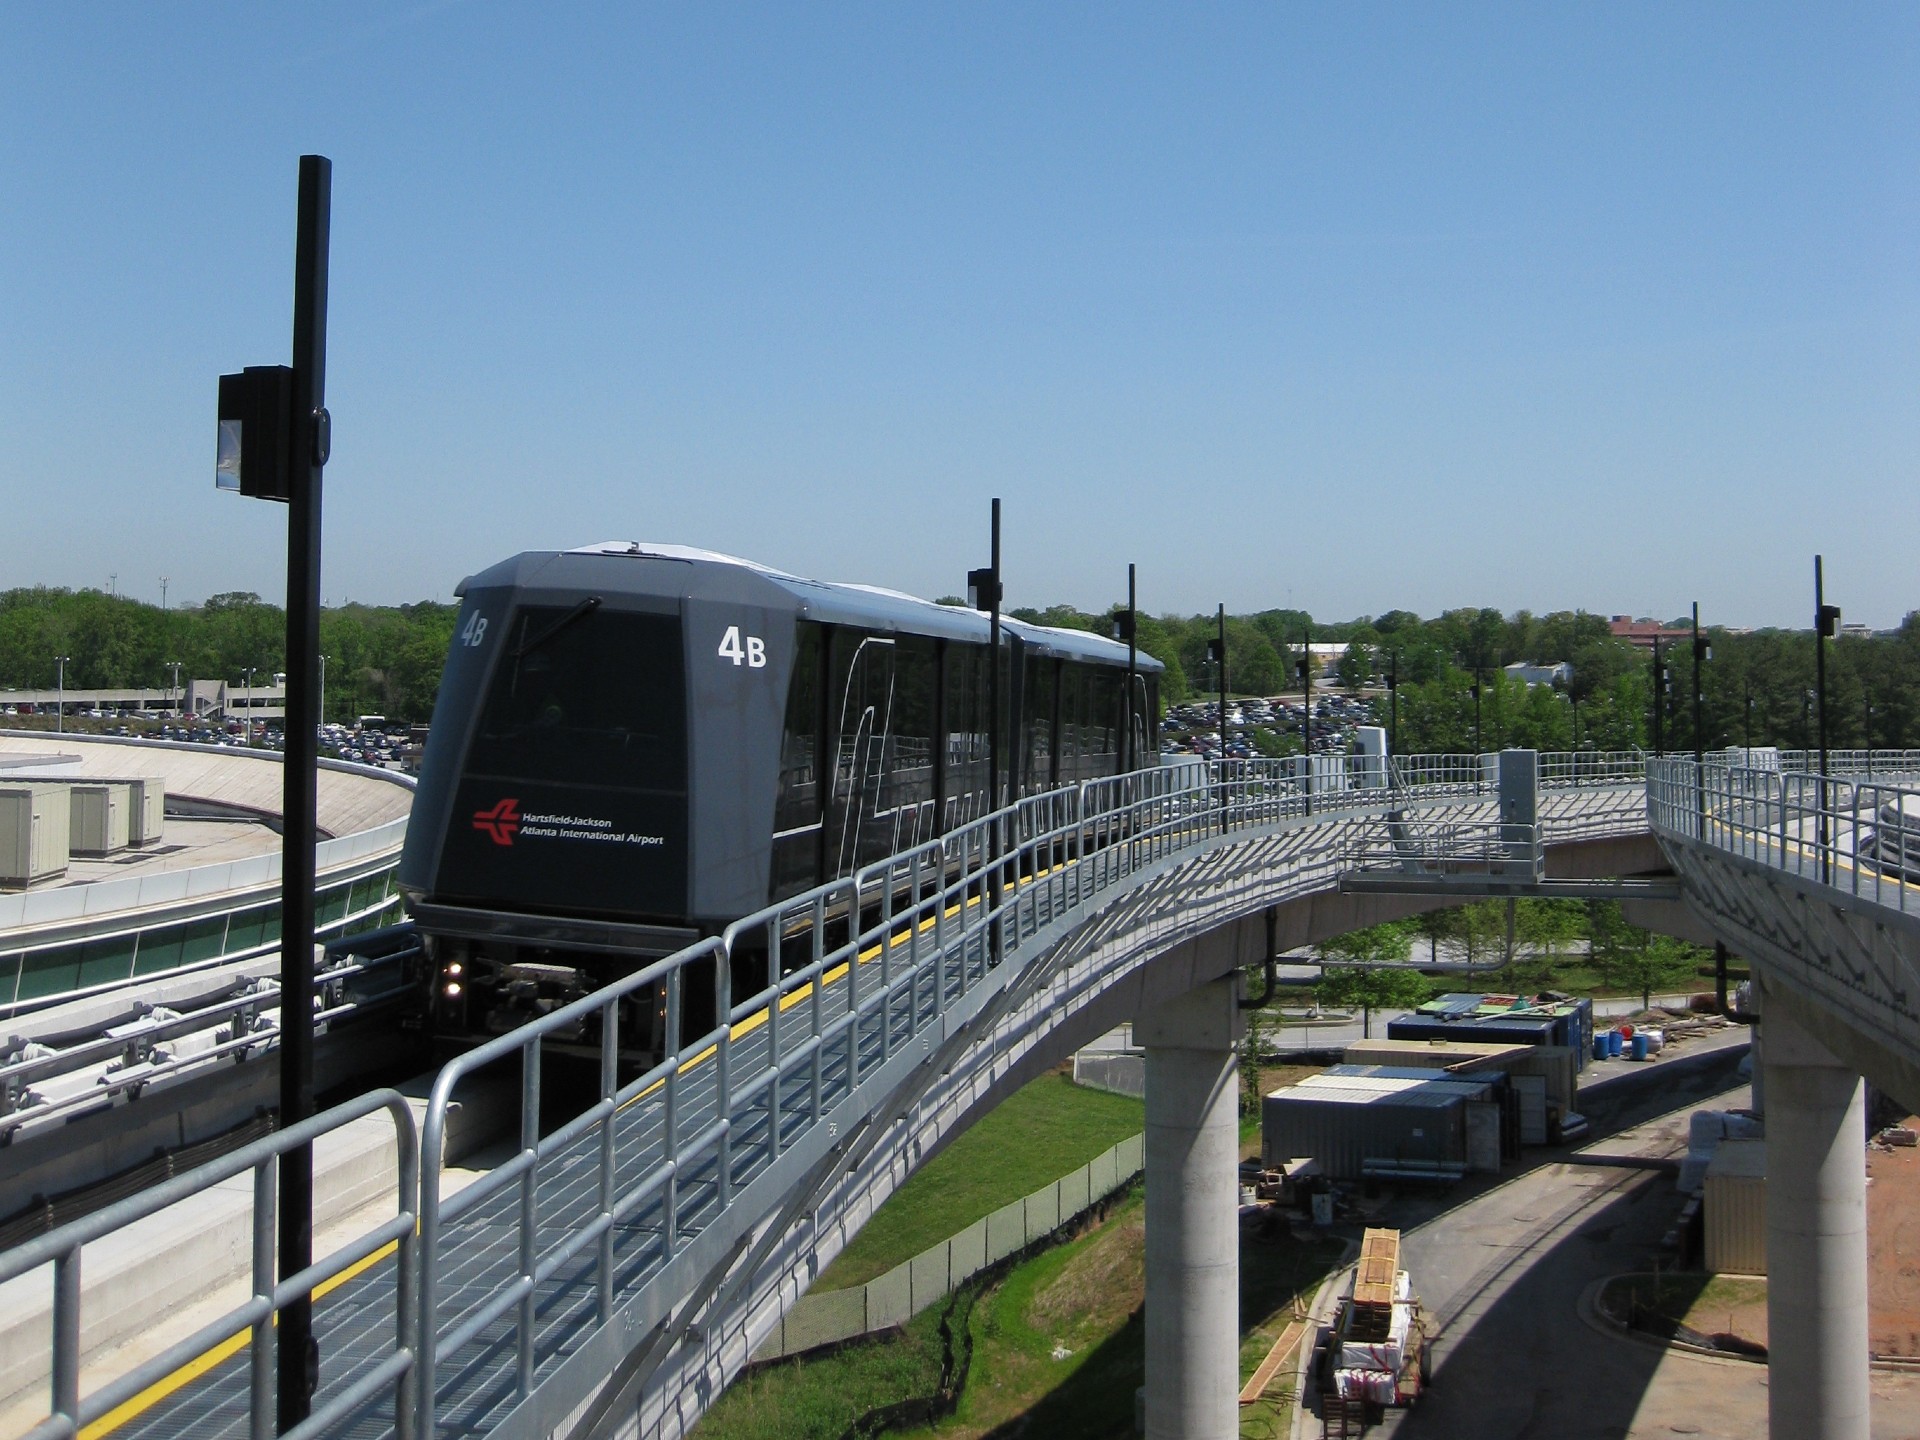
x: 635, y: 745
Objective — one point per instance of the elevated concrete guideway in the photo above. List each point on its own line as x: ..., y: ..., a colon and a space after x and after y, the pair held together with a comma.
x: 612, y: 1276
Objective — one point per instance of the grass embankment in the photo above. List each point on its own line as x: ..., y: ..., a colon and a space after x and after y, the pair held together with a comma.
x: 820, y: 1397
x: 1044, y: 1130
x: 1059, y: 1347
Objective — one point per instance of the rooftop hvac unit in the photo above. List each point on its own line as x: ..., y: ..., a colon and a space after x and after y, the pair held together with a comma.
x: 33, y: 833
x: 100, y: 815
x: 147, y: 810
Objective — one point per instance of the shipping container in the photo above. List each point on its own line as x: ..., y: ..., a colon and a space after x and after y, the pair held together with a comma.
x: 1458, y: 1059
x: 1345, y: 1124
x: 34, y: 823
x: 1735, y: 1208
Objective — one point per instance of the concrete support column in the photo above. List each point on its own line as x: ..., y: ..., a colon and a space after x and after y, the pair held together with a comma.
x: 1817, y: 1385
x: 1193, y: 1234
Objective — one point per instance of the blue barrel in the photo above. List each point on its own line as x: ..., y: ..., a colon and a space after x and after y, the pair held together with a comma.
x: 1599, y: 1044
x: 1614, y: 1044
x: 1639, y: 1046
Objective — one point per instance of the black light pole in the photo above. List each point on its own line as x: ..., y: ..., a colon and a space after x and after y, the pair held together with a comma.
x: 1217, y: 654
x: 1826, y: 619
x: 1659, y: 697
x: 1125, y: 625
x: 1393, y: 701
x: 1746, y: 728
x: 1702, y: 652
x: 274, y: 437
x: 984, y: 591
x: 311, y: 439
x: 1479, y: 744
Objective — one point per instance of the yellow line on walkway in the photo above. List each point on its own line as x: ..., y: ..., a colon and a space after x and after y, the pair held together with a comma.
x: 226, y: 1349
x: 208, y: 1359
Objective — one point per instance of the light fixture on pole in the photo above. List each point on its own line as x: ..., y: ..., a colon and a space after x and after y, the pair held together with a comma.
x: 274, y: 439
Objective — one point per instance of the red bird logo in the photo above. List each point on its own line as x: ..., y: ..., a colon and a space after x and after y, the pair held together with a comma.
x: 500, y: 822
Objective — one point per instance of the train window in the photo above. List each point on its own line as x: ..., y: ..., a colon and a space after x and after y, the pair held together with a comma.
x: 1036, y: 725
x: 587, y: 696
x: 910, y: 768
x: 967, y: 743
x: 1073, y: 704
x: 1106, y: 695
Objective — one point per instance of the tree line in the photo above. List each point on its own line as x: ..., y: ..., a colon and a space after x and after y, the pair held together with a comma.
x: 380, y: 659
x: 1452, y: 695
x: 1758, y: 688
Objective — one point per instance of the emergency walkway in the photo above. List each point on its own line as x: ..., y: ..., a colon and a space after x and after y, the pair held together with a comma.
x: 618, y: 1267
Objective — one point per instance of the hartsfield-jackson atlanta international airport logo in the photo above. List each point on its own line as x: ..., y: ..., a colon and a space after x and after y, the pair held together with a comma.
x: 505, y: 820
x: 500, y: 822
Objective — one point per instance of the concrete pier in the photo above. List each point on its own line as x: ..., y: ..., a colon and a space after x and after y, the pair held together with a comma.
x: 1816, y: 1237
x: 1193, y: 1237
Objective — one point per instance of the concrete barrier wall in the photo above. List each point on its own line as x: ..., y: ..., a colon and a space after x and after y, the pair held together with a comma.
x: 828, y: 1317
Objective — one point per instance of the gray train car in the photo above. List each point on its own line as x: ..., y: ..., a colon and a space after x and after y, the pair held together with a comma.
x: 635, y: 745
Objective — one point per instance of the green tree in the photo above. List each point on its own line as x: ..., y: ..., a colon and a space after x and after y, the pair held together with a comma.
x: 1631, y: 959
x: 1373, y: 973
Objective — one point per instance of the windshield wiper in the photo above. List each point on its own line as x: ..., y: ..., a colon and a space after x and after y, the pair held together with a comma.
x: 585, y: 607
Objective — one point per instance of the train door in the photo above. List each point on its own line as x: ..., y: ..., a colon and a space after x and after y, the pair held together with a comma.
x: 863, y: 741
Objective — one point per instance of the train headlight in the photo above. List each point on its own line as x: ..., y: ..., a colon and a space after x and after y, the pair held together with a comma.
x: 452, y: 992
x: 454, y: 970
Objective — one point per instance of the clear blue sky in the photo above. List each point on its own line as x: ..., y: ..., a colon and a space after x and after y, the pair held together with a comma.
x: 1349, y: 307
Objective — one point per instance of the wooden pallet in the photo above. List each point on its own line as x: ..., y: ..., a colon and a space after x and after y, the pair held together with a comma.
x: 1283, y: 1347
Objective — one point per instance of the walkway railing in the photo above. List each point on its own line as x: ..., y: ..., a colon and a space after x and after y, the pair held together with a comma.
x: 251, y: 1322
x: 782, y: 1038
x: 1841, y: 829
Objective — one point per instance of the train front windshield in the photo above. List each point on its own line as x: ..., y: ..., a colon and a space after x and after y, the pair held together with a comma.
x: 573, y: 798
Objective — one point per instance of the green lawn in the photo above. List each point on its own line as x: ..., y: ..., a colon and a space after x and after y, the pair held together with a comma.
x: 819, y: 1398
x: 1033, y: 1137
x: 1058, y: 1348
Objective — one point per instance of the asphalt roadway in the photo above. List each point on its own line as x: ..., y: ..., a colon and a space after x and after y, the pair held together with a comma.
x: 1506, y: 1268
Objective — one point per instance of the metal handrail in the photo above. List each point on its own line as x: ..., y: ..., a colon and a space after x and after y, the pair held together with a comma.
x: 69, y: 1410
x: 842, y: 979
x: 258, y: 1008
x: 1839, y: 829
x: 823, y: 970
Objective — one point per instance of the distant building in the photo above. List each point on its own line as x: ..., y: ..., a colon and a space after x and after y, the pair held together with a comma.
x: 1642, y: 633
x: 1559, y: 673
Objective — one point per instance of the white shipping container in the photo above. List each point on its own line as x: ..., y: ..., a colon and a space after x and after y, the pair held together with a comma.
x: 34, y: 822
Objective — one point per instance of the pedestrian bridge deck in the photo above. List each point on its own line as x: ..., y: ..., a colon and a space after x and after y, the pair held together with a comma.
x: 632, y: 1258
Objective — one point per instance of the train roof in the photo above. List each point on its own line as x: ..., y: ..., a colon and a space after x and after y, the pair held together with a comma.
x: 836, y: 603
